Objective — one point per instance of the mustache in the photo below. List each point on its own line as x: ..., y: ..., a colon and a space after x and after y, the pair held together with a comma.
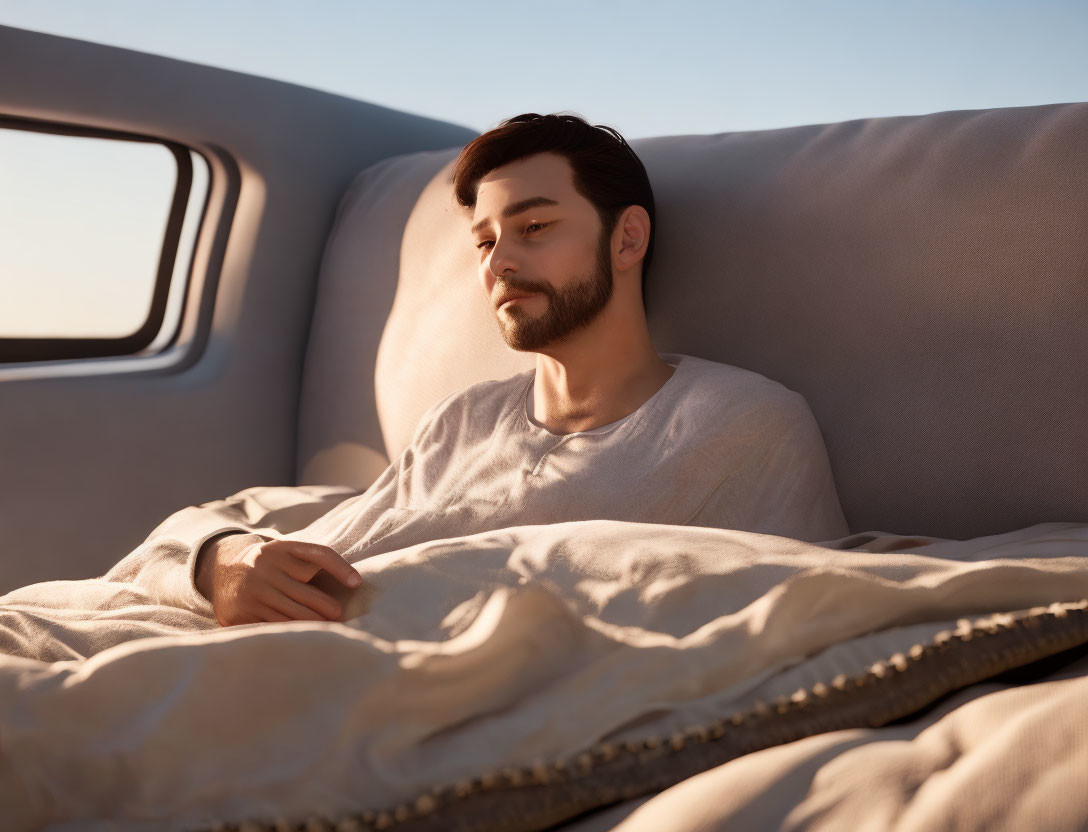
x: 506, y: 287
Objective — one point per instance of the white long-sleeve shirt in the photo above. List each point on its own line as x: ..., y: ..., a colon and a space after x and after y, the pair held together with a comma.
x: 714, y: 446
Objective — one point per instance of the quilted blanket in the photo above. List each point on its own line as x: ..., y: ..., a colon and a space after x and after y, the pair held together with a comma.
x: 690, y: 678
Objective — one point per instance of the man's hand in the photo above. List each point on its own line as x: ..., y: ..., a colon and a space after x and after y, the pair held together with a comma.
x: 249, y: 579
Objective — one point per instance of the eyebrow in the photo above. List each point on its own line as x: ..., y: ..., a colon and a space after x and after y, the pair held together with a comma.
x: 516, y: 208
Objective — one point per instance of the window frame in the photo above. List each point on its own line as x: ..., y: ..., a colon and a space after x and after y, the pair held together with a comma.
x: 17, y: 350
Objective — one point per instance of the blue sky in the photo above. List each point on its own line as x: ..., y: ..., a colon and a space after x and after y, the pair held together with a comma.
x: 645, y: 68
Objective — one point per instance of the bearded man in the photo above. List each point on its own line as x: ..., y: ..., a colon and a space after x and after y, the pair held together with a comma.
x: 562, y: 215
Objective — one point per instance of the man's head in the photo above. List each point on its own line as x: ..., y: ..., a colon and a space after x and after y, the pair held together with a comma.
x: 560, y: 208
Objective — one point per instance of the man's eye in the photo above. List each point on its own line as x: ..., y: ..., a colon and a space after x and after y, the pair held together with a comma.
x: 531, y: 225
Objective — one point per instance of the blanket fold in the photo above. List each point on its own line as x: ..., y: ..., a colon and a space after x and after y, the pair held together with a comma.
x: 471, y: 675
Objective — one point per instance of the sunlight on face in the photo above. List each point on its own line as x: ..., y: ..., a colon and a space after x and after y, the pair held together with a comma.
x: 540, y: 239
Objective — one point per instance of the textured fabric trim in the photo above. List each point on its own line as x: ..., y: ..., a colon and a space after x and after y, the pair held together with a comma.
x: 549, y: 792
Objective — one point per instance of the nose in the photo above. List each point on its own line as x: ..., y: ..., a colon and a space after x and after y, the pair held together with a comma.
x: 502, y: 259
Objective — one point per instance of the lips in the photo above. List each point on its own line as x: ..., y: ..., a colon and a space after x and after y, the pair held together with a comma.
x: 513, y: 296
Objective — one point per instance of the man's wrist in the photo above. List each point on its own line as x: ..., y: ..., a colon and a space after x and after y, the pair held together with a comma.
x: 205, y: 559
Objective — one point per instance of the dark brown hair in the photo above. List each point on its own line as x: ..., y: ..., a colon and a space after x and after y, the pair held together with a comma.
x: 607, y: 171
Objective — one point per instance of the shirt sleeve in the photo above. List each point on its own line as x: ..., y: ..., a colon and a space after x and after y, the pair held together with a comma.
x: 780, y: 481
x: 164, y: 565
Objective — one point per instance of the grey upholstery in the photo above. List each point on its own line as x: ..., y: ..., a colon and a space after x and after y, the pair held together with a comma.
x: 922, y: 281
x: 96, y: 453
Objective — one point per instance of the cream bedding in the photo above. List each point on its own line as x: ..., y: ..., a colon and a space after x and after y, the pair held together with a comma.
x: 519, y: 678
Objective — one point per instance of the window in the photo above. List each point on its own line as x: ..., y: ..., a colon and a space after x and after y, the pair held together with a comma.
x: 97, y: 230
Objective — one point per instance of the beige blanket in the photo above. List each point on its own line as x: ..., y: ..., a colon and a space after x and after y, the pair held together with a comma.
x: 516, y: 679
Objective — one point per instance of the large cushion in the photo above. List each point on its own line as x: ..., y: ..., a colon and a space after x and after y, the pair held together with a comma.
x: 922, y: 281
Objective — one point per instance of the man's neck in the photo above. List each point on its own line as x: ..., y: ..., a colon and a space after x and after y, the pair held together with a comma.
x: 585, y: 385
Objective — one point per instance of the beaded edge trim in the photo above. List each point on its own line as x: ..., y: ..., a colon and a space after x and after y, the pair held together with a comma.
x: 1067, y: 622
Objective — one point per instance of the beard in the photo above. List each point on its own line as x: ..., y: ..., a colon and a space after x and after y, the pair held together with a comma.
x: 568, y: 310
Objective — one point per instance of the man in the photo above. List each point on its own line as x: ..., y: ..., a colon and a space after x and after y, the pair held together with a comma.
x: 562, y: 215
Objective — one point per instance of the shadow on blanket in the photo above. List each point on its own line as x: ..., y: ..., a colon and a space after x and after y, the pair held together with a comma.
x: 509, y: 680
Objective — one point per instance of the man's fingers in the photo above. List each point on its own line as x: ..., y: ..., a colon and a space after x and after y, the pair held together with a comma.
x: 254, y: 613
x: 324, y: 557
x: 308, y: 595
x: 294, y: 611
x: 266, y: 613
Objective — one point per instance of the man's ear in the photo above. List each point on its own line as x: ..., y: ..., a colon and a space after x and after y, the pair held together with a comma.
x: 633, y: 229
